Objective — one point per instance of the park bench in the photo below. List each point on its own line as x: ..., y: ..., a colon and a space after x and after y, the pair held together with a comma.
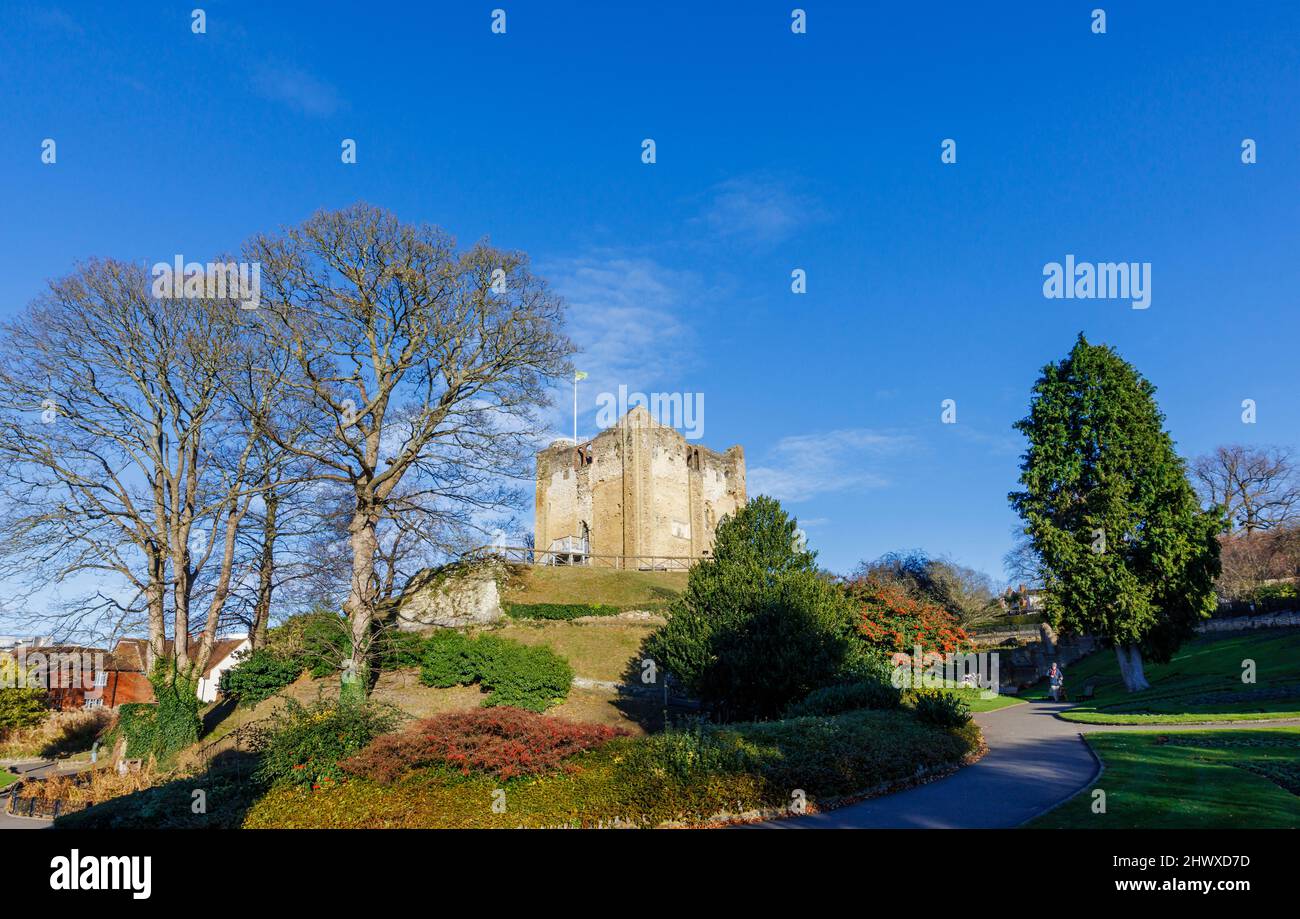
x: 1089, y: 690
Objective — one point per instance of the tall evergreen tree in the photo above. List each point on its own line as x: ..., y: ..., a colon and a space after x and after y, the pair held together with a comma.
x: 758, y: 627
x: 1127, y: 552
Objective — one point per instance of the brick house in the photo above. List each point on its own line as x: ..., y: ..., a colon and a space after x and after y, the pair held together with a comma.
x: 130, y: 668
x: 77, y: 676
x: 71, y: 675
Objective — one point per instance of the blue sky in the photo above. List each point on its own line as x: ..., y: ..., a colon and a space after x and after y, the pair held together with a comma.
x: 775, y: 151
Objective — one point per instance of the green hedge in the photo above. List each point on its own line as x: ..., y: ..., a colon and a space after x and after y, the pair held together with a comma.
x: 559, y: 611
x: 259, y: 676
x: 450, y: 659
x: 1008, y: 622
x: 533, y: 678
x: 845, y: 697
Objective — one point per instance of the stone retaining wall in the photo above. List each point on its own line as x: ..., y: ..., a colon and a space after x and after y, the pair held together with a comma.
x: 1280, y: 620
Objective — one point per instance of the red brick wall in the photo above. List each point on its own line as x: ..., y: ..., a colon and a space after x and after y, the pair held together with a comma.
x: 127, y: 686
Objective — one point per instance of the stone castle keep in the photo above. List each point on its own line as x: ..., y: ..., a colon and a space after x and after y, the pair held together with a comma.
x: 637, y: 492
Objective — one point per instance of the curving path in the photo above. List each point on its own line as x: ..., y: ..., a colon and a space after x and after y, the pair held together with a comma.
x: 1035, y: 761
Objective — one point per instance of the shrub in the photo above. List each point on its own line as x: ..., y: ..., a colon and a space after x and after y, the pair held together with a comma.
x: 757, y: 627
x: 21, y: 707
x: 259, y: 676
x: 559, y: 611
x: 943, y: 709
x: 505, y: 742
x: 890, y: 620
x: 534, y: 678
x: 1274, y: 592
x: 307, y: 742
x: 689, y: 752
x: 695, y: 774
x: 448, y: 660
x: 128, y: 802
x: 843, y: 697
x: 318, y: 641
x: 23, y: 704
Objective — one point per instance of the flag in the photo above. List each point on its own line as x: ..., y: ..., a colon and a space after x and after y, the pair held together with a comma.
x: 580, y: 375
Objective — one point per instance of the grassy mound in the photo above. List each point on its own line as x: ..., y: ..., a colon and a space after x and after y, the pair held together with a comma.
x: 1190, y: 780
x: 580, y: 585
x: 1203, y: 682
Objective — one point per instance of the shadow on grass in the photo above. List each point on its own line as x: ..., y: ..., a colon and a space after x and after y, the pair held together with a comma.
x: 645, y: 702
x: 217, y: 798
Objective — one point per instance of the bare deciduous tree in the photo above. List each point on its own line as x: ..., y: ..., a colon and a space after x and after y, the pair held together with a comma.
x: 121, y: 452
x: 1257, y: 485
x: 424, y: 363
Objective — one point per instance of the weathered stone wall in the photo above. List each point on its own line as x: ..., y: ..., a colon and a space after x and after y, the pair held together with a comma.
x: 1280, y: 620
x: 637, y: 489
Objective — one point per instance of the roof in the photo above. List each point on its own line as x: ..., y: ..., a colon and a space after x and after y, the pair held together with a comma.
x: 132, y: 653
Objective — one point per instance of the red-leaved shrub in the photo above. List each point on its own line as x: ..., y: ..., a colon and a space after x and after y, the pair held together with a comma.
x: 503, y: 741
x: 891, y: 620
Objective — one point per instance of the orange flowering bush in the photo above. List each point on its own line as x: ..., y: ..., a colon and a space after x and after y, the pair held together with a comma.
x: 891, y: 620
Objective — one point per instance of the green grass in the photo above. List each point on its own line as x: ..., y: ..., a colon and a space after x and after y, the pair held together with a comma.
x: 7, y: 778
x: 1190, y: 780
x: 1202, y: 683
x: 627, y: 590
x: 979, y: 704
x: 597, y: 650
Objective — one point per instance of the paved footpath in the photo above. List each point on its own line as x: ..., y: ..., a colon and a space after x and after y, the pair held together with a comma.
x: 1035, y: 761
x: 32, y: 769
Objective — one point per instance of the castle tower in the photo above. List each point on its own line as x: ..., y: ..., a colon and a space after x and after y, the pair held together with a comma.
x: 636, y: 492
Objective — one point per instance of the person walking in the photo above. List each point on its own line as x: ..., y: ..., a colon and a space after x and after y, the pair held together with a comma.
x: 1056, y: 682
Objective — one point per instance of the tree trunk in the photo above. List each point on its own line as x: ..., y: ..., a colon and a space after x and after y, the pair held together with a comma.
x: 265, y: 575
x: 221, y: 590
x: 360, y: 605
x: 1130, y: 668
x: 1121, y: 655
x: 156, y: 603
x: 1135, y: 669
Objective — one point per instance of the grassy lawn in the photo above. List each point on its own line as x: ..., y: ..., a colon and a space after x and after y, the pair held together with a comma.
x: 1201, y: 683
x: 627, y: 590
x: 1190, y: 780
x: 633, y: 781
x: 7, y: 778
x: 978, y: 704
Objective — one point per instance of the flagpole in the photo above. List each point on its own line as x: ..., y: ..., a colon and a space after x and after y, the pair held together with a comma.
x: 577, y: 375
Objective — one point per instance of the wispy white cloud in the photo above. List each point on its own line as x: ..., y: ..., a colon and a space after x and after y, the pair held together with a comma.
x: 625, y: 314
x: 803, y: 466
x: 757, y: 209
x: 297, y: 89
